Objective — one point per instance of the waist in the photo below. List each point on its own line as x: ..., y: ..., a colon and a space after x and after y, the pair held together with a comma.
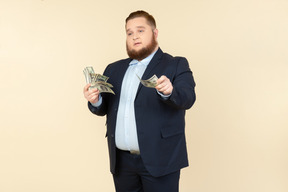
x: 133, y: 152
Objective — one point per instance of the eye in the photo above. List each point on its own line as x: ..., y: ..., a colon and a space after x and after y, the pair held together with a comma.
x: 129, y: 34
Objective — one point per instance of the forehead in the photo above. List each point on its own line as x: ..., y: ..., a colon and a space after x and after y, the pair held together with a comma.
x: 136, y: 23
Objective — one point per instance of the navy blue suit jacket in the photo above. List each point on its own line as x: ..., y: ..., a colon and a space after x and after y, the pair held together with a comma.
x: 160, y: 123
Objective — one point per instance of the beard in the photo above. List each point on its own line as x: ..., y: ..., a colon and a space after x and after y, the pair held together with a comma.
x: 144, y: 52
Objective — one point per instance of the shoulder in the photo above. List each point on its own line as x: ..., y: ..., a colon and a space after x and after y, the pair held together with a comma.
x: 117, y: 65
x: 174, y: 59
x: 175, y: 63
x: 119, y: 62
x: 168, y: 56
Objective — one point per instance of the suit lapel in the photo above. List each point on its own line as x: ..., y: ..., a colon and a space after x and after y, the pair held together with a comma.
x: 149, y: 70
x: 121, y: 70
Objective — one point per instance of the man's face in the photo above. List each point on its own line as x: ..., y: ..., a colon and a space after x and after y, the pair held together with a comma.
x: 141, y: 39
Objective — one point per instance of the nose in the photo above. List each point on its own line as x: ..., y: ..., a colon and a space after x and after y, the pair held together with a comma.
x: 135, y: 36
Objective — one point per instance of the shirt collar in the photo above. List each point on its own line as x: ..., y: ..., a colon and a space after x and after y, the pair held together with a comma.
x: 145, y: 61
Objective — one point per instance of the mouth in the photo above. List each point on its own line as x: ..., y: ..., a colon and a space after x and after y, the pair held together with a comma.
x: 138, y: 43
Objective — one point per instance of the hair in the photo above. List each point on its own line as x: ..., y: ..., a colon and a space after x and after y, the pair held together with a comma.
x: 150, y: 19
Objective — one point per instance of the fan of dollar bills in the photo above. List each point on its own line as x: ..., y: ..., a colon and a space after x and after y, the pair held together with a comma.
x: 151, y: 82
x: 97, y: 81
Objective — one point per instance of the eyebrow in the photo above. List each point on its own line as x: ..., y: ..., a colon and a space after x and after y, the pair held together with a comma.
x: 139, y: 27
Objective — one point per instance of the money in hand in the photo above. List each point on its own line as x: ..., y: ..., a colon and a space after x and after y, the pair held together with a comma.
x: 151, y: 82
x: 97, y: 81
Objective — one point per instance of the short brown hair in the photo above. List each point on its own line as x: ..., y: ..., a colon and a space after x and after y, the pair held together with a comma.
x: 150, y: 19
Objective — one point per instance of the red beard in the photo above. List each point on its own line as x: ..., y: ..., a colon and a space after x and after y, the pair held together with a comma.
x: 144, y: 52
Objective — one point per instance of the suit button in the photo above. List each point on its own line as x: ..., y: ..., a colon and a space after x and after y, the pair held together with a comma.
x: 112, y: 135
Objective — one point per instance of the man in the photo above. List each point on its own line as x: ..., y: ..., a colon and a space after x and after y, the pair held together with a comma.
x: 145, y: 126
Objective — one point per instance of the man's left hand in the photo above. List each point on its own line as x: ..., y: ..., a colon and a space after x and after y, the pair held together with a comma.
x: 164, y: 85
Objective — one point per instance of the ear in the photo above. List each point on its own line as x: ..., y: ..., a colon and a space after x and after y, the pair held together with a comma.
x: 155, y: 31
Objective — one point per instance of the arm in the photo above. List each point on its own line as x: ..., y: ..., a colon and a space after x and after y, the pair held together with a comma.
x: 94, y: 100
x: 180, y: 87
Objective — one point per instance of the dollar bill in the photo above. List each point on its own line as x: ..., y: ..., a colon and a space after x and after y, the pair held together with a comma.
x: 151, y: 82
x: 102, y: 88
x: 87, y: 71
x: 101, y: 79
x: 97, y: 81
x: 102, y: 83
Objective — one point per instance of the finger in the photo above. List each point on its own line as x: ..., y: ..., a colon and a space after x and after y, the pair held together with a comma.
x: 93, y: 93
x: 167, y: 91
x: 163, y: 87
x: 166, y: 87
x: 161, y: 79
x: 94, y: 97
x: 86, y: 87
x: 94, y: 90
x: 163, y: 82
x: 160, y: 86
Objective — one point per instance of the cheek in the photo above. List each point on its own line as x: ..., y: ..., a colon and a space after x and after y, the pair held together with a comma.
x: 147, y: 39
x: 129, y: 42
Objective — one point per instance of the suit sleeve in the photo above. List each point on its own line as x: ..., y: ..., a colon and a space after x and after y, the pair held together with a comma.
x: 97, y: 110
x: 183, y: 95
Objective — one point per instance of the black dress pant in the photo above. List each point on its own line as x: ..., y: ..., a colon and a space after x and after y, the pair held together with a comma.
x: 133, y: 177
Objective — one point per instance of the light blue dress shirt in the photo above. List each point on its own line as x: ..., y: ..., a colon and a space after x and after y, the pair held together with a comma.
x: 126, y: 130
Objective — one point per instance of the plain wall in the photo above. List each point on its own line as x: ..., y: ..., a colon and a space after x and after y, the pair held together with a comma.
x: 237, y: 131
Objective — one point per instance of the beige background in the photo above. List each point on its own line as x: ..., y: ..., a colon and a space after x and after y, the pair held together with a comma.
x: 236, y: 131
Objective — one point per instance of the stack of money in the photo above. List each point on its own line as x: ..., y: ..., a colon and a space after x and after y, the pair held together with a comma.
x: 97, y: 81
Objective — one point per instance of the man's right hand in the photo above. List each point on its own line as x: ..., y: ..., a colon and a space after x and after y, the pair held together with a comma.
x: 91, y: 95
